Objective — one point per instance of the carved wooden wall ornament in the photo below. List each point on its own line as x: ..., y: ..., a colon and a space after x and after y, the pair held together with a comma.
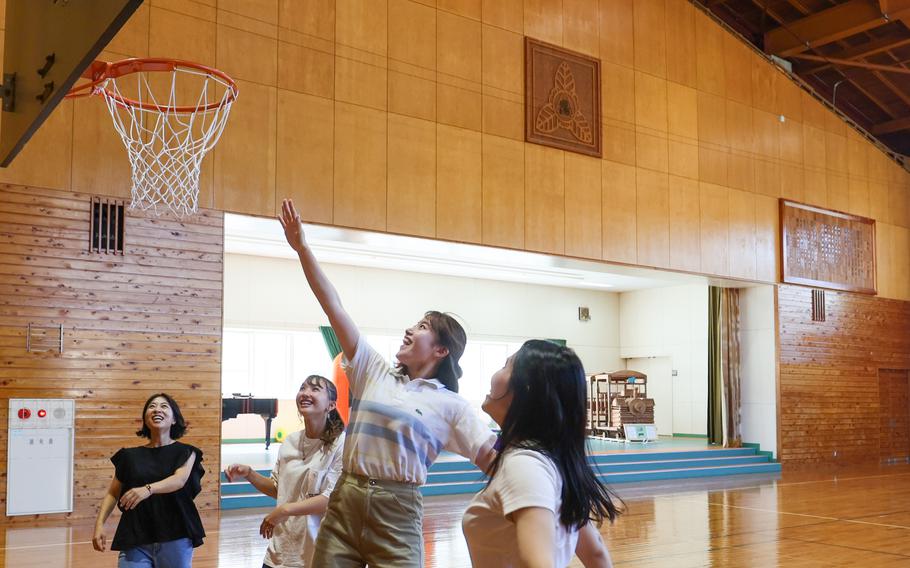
x: 827, y: 249
x: 562, y: 98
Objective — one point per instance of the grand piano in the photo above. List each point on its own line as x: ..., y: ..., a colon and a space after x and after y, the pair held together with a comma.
x: 267, y: 408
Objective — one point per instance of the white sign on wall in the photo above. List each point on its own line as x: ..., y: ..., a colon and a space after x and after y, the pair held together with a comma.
x: 40, y: 456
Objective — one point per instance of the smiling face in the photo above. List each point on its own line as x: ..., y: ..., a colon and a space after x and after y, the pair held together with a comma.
x: 499, y: 399
x: 420, y: 346
x: 313, y: 400
x: 159, y: 415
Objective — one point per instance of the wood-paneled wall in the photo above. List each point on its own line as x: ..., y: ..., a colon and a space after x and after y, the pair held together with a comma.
x: 830, y: 372
x: 406, y: 116
x: 145, y: 322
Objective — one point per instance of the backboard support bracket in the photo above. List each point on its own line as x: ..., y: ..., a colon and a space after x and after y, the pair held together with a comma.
x: 48, y: 44
x: 8, y: 92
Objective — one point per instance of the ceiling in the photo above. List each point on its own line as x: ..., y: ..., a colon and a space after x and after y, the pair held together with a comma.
x: 263, y: 237
x: 856, y: 49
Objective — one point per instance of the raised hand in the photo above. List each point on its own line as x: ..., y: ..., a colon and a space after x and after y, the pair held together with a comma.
x: 237, y: 471
x: 293, y: 227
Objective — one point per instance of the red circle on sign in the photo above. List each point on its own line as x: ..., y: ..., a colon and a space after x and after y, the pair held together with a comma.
x: 42, y: 413
x: 24, y: 413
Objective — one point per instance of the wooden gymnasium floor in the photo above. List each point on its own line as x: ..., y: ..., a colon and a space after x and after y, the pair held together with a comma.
x: 858, y: 516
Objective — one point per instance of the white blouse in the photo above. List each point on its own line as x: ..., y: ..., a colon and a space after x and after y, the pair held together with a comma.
x: 304, y: 469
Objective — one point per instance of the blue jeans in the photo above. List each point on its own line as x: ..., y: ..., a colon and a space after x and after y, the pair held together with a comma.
x: 171, y: 554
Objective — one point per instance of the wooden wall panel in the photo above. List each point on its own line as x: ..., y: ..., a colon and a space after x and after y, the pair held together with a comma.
x: 305, y: 64
x: 412, y: 176
x: 620, y: 215
x: 543, y: 20
x: 709, y: 41
x: 742, y: 234
x: 361, y: 136
x: 617, y: 28
x: 714, y: 228
x: 507, y: 14
x: 653, y: 212
x: 681, y: 97
x: 315, y: 18
x: 583, y: 206
x: 136, y: 324
x: 545, y: 200
x: 305, y: 154
x: 830, y: 403
x: 248, y: 46
x: 650, y: 37
x: 581, y: 27
x: 459, y: 183
x: 362, y: 25
x: 685, y: 246
x: 681, y: 60
x: 894, y: 402
x: 245, y: 155
x: 503, y: 192
x: 412, y: 33
x: 98, y: 156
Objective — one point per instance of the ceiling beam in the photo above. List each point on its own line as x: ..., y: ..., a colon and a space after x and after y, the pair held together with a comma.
x: 858, y: 83
x: 848, y: 63
x: 767, y: 9
x: 869, y: 49
x: 891, y: 126
x: 830, y: 25
x: 892, y: 87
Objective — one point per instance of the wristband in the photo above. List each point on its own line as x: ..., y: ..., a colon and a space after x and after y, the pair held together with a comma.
x: 149, y: 487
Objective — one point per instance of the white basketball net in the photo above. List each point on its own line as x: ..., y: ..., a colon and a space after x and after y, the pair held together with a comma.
x: 166, y: 147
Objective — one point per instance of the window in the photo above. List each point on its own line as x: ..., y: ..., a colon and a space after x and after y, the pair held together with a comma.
x: 273, y: 363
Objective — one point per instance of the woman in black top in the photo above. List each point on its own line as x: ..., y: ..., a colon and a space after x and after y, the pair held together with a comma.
x: 154, y: 485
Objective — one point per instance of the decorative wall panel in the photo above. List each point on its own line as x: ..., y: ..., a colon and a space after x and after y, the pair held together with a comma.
x: 562, y: 98
x: 828, y: 249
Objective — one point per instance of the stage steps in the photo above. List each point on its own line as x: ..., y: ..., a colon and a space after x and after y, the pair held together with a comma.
x: 452, y: 475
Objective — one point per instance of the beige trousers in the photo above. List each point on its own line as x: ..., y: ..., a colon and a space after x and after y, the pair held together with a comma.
x: 371, y: 522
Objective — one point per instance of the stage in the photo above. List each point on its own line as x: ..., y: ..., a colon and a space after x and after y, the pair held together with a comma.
x: 616, y: 462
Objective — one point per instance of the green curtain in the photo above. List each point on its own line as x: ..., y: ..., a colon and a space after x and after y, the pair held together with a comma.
x: 331, y: 341
x: 715, y: 368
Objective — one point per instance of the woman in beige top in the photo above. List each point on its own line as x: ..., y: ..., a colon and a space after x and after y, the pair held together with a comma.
x: 308, y: 465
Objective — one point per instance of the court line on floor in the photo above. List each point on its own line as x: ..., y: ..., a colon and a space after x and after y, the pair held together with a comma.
x: 806, y: 515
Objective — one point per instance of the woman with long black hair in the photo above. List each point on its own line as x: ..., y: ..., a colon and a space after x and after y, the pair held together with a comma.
x: 543, y: 502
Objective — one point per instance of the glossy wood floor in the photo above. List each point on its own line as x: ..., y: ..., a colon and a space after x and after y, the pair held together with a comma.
x: 848, y: 517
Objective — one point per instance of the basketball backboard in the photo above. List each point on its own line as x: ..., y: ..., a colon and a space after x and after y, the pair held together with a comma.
x: 47, y: 46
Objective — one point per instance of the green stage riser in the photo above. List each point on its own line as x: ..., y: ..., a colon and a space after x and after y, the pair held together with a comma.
x: 455, y: 477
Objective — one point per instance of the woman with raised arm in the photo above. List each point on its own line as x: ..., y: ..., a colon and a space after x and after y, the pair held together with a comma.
x: 154, y: 485
x: 402, y: 417
x: 308, y: 465
x: 543, y: 502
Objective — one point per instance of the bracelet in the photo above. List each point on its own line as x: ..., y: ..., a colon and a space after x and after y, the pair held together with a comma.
x: 149, y: 487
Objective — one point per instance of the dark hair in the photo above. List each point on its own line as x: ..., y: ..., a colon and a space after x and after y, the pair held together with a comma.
x: 334, y: 424
x: 177, y: 428
x: 548, y: 414
x: 452, y: 336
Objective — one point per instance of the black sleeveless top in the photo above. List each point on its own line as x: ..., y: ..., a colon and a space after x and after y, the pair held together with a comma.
x: 164, y: 516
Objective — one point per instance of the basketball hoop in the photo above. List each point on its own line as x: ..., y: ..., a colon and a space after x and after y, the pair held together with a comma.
x: 170, y: 117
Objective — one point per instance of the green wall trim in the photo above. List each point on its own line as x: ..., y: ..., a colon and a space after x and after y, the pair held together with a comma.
x: 759, y: 451
x: 675, y: 435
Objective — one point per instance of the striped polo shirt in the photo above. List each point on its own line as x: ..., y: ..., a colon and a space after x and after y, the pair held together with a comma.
x: 398, y: 427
